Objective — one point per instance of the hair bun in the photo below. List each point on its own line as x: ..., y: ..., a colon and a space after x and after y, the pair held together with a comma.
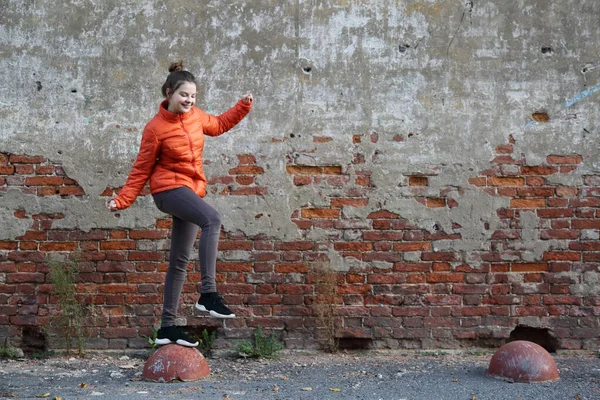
x: 176, y: 66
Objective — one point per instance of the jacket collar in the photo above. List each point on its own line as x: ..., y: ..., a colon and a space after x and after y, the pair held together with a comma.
x: 172, y: 117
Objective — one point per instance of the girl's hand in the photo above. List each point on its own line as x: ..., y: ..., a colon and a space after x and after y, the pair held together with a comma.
x: 112, y: 206
x: 248, y: 99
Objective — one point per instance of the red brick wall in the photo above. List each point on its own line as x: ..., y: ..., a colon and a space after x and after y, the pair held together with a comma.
x: 438, y: 299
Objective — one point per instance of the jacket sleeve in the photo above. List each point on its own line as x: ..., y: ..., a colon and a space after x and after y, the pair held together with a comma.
x: 142, y: 168
x: 215, y: 126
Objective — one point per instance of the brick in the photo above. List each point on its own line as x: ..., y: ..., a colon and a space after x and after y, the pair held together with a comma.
x: 44, y: 169
x: 385, y: 279
x: 418, y: 181
x: 24, y: 159
x: 44, y: 181
x: 561, y: 256
x: 585, y: 224
x: 567, y: 191
x: 300, y: 268
x: 440, y: 256
x: 24, y: 169
x: 302, y: 180
x: 505, y: 160
x: 479, y: 181
x: 7, y: 169
x: 304, y: 170
x: 8, y: 245
x: 535, y: 192
x: 506, y: 181
x: 572, y: 159
x: 529, y: 267
x: 244, y: 180
x: 445, y: 277
x: 527, y: 203
x: 145, y: 255
x: 246, y: 159
x: 504, y: 149
x: 24, y: 256
x: 322, y: 139
x: 584, y: 246
x: 559, y: 234
x: 382, y: 235
x: 118, y: 245
x: 297, y: 246
x: 332, y: 170
x: 247, y: 170
x: 436, y: 202
x: 58, y: 246
x: 338, y: 202
x: 381, y: 256
x: 249, y: 191
x: 589, y: 202
x: 25, y: 277
x: 71, y: 191
x: 383, y: 214
x: 320, y: 213
x: 412, y: 246
x: 555, y: 213
x: 538, y: 170
x: 535, y: 181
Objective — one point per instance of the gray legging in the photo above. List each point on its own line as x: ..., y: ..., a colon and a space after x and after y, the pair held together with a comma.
x: 189, y: 212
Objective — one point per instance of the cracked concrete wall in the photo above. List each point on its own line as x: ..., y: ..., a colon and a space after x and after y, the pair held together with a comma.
x: 439, y: 83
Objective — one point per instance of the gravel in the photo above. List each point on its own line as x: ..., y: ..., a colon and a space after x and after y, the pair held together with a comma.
x: 367, y: 375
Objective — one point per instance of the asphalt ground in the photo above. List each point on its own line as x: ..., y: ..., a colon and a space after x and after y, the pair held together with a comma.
x: 368, y: 375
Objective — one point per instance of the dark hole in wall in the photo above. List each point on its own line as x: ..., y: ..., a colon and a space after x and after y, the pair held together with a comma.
x: 403, y: 47
x: 350, y: 343
x: 546, y: 50
x: 33, y: 340
x: 541, y: 336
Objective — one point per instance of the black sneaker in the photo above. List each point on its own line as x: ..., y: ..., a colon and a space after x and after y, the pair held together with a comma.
x: 174, y: 334
x: 213, y: 304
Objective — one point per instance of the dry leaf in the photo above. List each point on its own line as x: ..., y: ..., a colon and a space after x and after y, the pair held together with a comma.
x: 335, y: 389
x: 307, y: 389
x: 57, y: 398
x: 41, y: 396
x: 455, y: 380
x: 275, y: 388
x: 473, y: 398
x: 285, y: 378
x: 84, y: 385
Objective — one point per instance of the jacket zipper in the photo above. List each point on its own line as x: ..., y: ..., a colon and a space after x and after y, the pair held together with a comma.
x: 191, y: 146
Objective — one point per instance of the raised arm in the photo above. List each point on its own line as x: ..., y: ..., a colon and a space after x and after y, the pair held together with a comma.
x: 215, y: 126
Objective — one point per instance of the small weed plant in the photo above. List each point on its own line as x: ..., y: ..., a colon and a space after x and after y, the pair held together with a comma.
x: 7, y: 351
x: 262, y: 346
x: 152, y: 341
x: 324, y: 305
x: 207, y: 342
x: 70, y: 321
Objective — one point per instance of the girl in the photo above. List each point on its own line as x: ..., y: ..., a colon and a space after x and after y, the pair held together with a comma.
x: 170, y: 156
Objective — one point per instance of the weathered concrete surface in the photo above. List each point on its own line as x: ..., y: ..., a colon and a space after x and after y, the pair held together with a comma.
x: 452, y: 78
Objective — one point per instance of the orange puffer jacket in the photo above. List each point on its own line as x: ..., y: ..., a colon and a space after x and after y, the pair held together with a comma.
x: 171, y: 150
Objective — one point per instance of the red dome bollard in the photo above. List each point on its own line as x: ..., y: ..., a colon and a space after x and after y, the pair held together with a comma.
x: 523, y: 361
x: 176, y: 362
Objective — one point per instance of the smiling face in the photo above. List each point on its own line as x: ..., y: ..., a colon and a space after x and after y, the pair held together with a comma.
x: 183, y: 98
